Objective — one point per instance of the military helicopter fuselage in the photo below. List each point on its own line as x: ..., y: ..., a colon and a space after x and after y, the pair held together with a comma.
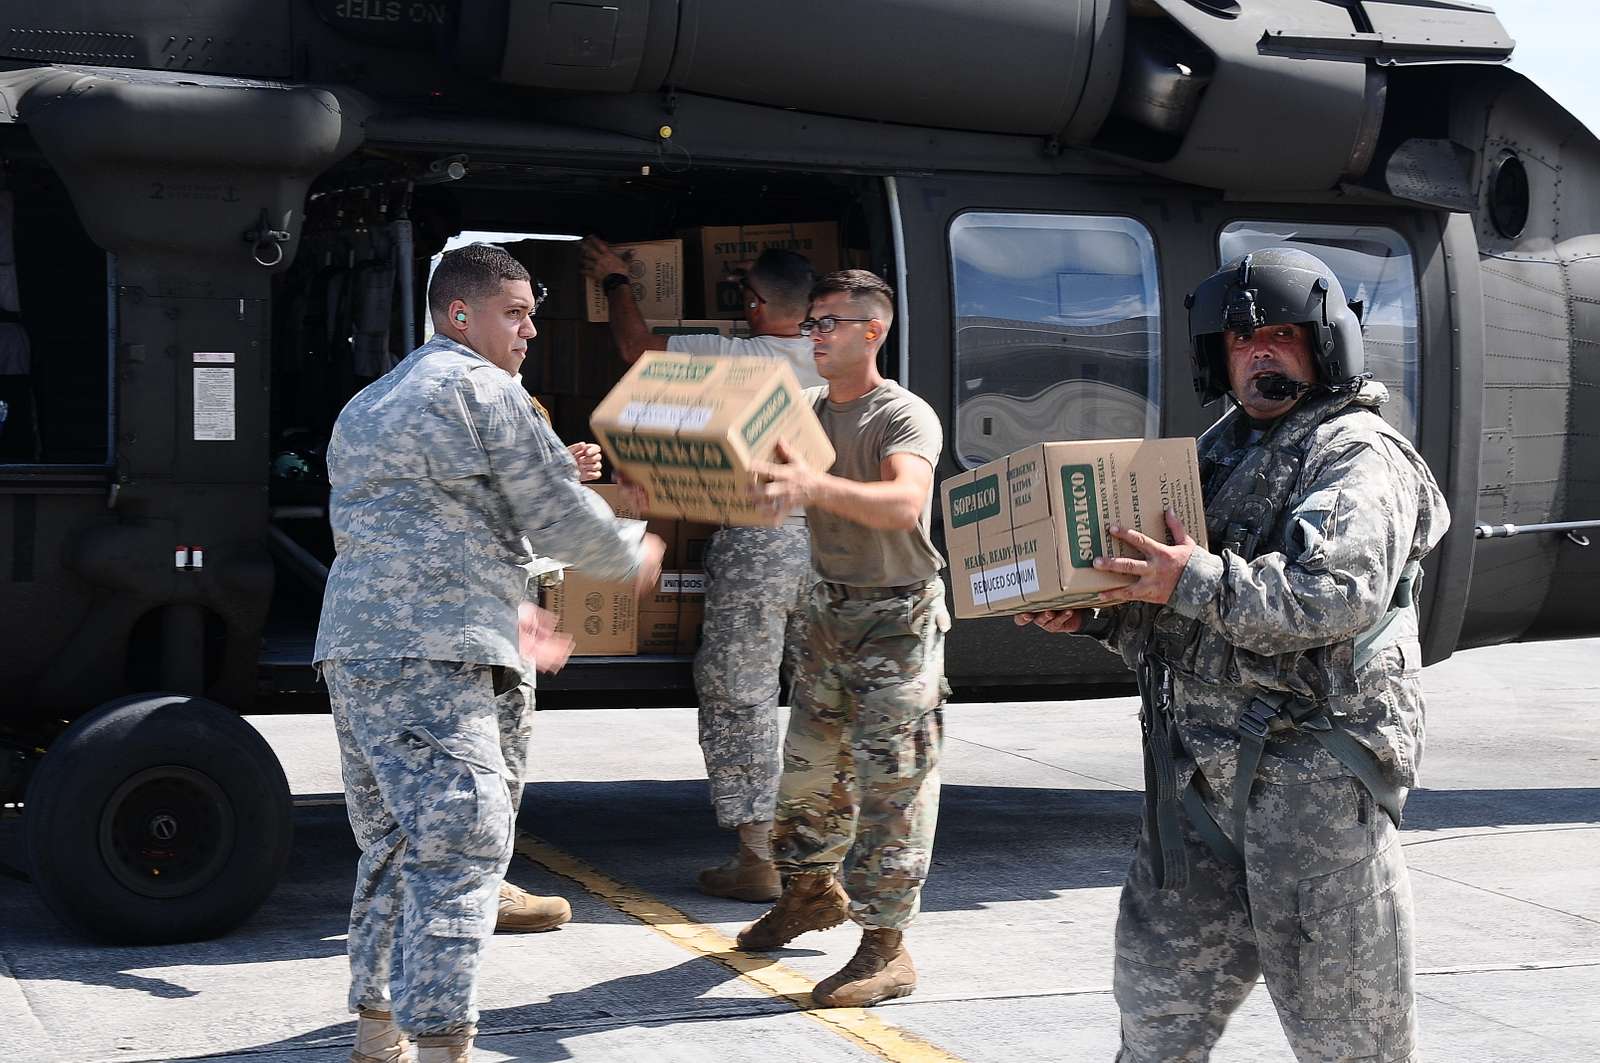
x: 216, y: 221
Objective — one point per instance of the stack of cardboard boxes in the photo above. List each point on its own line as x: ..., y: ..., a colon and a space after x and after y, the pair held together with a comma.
x: 603, y: 617
x: 721, y: 255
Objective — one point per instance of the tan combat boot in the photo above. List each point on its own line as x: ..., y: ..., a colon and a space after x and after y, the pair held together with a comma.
x: 750, y: 875
x: 880, y: 970
x: 809, y: 902
x: 446, y: 1047
x: 378, y: 1039
x: 521, y: 911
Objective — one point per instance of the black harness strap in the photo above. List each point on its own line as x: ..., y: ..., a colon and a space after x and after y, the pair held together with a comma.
x: 1161, y: 798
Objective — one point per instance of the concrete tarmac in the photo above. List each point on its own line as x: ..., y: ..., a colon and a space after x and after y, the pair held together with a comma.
x: 1040, y: 807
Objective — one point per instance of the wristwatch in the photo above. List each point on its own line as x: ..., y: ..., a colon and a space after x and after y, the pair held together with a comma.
x: 613, y: 281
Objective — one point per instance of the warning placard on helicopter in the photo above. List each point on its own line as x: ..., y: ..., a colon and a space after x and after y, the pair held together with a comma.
x: 214, y: 403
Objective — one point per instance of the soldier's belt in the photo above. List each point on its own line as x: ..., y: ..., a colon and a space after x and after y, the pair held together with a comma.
x: 844, y: 590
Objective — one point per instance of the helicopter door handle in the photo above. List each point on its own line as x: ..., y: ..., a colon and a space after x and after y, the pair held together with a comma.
x: 267, y: 242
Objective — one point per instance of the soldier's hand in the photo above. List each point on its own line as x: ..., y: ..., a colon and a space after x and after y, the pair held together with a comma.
x: 651, y: 551
x: 1157, y: 574
x: 587, y: 455
x: 598, y: 261
x: 1055, y: 621
x: 784, y: 485
x: 539, y: 641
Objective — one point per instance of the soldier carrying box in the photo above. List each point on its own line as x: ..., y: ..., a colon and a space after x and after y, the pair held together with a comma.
x: 860, y: 783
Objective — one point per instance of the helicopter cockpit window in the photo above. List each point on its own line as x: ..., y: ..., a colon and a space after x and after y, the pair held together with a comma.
x: 1058, y: 336
x: 1375, y: 266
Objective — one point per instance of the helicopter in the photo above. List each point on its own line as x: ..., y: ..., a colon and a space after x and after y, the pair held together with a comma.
x: 216, y: 222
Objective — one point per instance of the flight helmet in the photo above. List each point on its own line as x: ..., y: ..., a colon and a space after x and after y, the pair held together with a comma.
x: 1274, y: 286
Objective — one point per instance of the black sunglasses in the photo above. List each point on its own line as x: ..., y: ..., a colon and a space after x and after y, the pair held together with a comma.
x: 825, y: 324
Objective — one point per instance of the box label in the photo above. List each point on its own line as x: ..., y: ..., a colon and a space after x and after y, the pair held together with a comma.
x: 761, y: 422
x: 686, y: 372
x: 1083, y: 515
x: 683, y: 582
x: 1002, y: 582
x: 975, y: 501
x: 674, y: 453
x: 672, y: 415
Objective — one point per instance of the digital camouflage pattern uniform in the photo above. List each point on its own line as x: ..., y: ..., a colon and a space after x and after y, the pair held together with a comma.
x: 758, y: 581
x: 860, y: 784
x: 1322, y: 907
x: 446, y: 486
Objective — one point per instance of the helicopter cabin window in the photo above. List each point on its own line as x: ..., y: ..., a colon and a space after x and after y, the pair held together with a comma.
x: 1057, y: 321
x: 1375, y: 267
x: 54, y: 385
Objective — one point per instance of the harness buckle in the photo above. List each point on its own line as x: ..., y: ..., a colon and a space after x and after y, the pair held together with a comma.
x: 1257, y: 718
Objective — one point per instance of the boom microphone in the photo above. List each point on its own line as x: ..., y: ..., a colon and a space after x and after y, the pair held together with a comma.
x: 1276, y: 387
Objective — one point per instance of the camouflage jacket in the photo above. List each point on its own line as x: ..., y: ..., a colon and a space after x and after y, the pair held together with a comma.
x: 1345, y: 504
x: 446, y: 485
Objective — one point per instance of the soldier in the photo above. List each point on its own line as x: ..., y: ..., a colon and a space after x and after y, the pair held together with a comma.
x: 1281, y: 685
x: 860, y: 780
x: 444, y: 483
x: 757, y: 580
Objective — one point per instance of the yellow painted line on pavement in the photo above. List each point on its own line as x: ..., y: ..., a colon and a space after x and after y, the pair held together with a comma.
x: 854, y: 1024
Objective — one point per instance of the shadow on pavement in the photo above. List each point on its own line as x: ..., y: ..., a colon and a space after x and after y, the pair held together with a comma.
x: 994, y: 844
x: 305, y: 918
x: 658, y: 999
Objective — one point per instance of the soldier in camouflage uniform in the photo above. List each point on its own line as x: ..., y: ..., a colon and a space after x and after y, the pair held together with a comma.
x: 757, y: 579
x: 1280, y: 676
x: 444, y: 485
x: 860, y: 787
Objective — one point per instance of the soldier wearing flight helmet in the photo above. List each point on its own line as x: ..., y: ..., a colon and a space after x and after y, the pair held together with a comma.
x: 1279, y: 674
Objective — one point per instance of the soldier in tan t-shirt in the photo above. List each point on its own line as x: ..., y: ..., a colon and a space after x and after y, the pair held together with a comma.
x: 860, y: 784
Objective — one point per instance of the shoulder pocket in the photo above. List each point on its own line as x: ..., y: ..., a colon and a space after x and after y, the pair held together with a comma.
x: 1314, y: 524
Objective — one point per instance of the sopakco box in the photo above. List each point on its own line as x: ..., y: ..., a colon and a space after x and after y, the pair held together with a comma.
x: 724, y: 253
x: 599, y: 615
x: 688, y: 429
x: 1023, y: 531
x: 602, y: 616
x: 655, y: 269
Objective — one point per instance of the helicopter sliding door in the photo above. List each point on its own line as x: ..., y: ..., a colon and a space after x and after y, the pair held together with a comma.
x: 1053, y: 309
x: 1039, y: 309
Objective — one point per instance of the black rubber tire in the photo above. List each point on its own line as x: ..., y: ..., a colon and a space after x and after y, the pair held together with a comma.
x: 157, y: 766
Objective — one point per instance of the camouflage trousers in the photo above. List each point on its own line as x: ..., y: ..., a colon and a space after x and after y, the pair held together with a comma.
x: 432, y: 754
x: 1332, y: 933
x: 757, y: 581
x: 860, y: 785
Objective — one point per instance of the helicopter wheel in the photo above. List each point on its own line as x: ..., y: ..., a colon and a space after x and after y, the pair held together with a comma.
x: 157, y: 818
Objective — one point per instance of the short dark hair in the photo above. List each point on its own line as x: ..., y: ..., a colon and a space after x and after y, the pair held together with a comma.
x: 783, y: 277
x: 472, y: 273
x: 862, y: 286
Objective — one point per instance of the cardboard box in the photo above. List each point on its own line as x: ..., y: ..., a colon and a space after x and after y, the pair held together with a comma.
x: 721, y: 255
x: 599, y: 615
x: 656, y: 271
x: 688, y: 429
x: 670, y: 619
x: 1022, y: 532
x: 658, y: 631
